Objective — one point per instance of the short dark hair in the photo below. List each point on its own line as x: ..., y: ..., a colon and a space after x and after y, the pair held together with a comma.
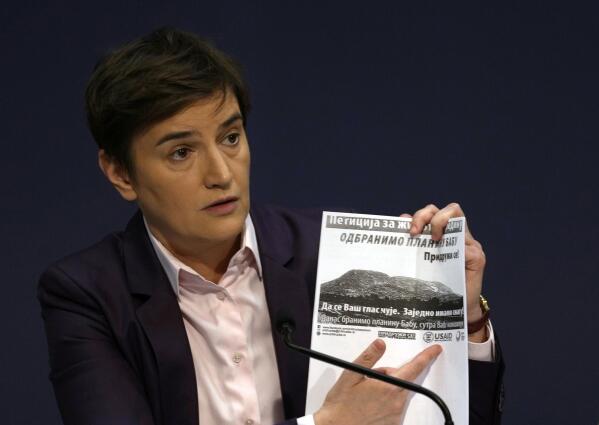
x: 151, y: 79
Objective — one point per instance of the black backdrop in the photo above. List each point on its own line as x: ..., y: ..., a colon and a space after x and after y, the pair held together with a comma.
x: 383, y: 107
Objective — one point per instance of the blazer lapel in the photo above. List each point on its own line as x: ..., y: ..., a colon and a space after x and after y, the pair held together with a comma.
x: 288, y: 298
x: 161, y: 320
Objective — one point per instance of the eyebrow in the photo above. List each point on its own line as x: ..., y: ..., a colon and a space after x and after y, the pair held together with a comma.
x: 233, y: 118
x: 176, y: 135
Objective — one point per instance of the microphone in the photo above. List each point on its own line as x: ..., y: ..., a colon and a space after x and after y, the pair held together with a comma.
x: 285, y: 327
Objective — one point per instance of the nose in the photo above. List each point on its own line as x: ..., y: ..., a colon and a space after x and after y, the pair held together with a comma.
x: 217, y: 172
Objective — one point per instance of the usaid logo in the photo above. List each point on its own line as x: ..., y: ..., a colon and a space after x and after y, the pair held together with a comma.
x: 437, y: 337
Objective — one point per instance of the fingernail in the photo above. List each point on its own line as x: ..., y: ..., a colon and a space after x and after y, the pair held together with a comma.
x: 379, y: 344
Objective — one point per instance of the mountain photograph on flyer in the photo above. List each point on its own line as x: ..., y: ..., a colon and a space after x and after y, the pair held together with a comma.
x: 366, y: 296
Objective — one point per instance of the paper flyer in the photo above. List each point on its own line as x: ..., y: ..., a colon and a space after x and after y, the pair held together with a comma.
x: 376, y: 281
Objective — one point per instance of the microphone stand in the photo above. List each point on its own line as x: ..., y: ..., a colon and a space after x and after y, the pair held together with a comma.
x: 286, y: 329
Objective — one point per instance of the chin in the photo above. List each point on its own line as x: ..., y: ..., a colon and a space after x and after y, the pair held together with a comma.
x: 225, y: 228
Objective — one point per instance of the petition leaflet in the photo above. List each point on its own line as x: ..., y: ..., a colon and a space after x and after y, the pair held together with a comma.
x: 376, y: 281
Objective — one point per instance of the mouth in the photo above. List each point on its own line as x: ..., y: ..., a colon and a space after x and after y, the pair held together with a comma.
x: 223, y: 206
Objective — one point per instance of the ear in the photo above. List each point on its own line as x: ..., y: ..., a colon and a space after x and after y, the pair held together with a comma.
x: 117, y: 175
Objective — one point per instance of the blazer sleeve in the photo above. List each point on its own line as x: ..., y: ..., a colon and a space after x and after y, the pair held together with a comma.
x: 93, y: 383
x: 486, y: 389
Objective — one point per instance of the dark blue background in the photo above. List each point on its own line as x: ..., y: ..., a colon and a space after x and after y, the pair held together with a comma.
x: 381, y: 106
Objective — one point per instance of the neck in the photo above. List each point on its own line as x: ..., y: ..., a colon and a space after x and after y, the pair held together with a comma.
x: 210, y: 260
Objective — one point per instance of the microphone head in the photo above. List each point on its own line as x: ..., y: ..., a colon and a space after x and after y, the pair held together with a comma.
x: 285, y: 325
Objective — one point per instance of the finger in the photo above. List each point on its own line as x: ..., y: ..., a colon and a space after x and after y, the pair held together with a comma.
x: 475, y: 257
x: 441, y: 218
x: 411, y: 370
x: 421, y: 218
x: 470, y: 241
x: 368, y: 358
x: 406, y: 215
x: 371, y: 354
x: 385, y: 370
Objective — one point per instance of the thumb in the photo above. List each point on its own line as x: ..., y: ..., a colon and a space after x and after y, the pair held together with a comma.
x: 368, y: 358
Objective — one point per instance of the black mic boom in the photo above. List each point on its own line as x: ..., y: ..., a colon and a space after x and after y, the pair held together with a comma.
x: 286, y: 328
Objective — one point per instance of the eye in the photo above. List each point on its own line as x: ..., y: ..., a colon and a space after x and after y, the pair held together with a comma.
x: 180, y: 154
x: 232, y: 139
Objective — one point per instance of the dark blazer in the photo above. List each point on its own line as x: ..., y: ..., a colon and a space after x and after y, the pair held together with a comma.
x: 117, y: 345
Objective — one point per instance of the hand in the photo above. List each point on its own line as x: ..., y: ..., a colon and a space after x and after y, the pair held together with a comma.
x: 356, y: 400
x: 475, y: 256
